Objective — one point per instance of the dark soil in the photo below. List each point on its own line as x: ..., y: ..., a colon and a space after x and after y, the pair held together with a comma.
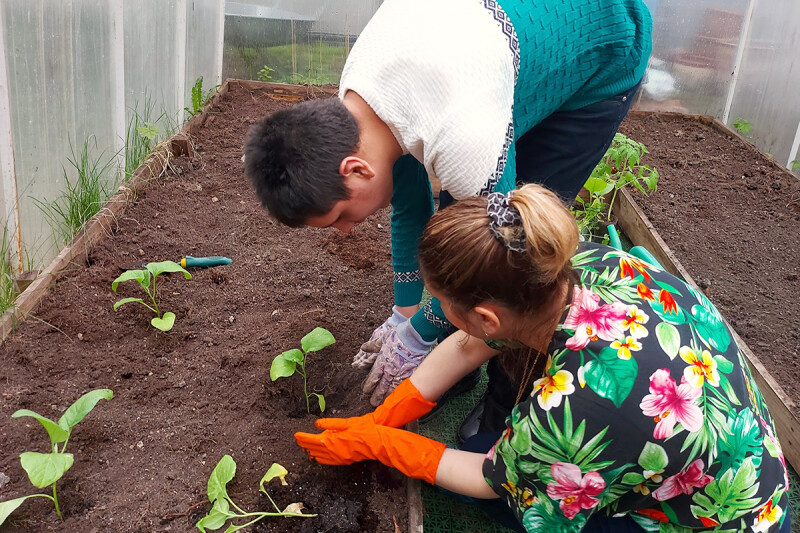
x: 731, y: 216
x: 185, y: 398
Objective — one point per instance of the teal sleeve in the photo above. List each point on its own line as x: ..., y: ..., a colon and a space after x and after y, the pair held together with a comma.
x: 430, y: 322
x: 412, y: 207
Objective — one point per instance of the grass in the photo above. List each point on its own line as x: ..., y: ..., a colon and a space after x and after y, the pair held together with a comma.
x: 317, y: 63
x: 84, y: 196
x: 6, y: 273
x: 143, y: 133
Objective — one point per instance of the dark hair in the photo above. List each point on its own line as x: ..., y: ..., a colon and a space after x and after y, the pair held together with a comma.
x: 292, y: 158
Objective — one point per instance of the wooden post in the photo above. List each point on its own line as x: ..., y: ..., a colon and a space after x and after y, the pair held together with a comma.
x: 117, y: 56
x: 8, y: 173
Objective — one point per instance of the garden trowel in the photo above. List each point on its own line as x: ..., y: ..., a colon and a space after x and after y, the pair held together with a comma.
x: 189, y: 261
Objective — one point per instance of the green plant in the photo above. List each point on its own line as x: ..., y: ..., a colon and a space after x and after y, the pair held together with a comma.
x: 83, y: 197
x: 291, y: 361
x: 265, y: 74
x: 742, y: 126
x: 147, y: 279
x: 223, y: 508
x: 7, y: 295
x: 200, y: 97
x: 796, y: 164
x: 46, y: 469
x: 142, y: 134
x: 620, y: 167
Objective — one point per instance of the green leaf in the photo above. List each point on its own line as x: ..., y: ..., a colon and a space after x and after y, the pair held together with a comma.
x: 167, y: 266
x: 730, y: 496
x: 321, y: 401
x: 141, y: 276
x: 632, y: 478
x: 44, y: 469
x: 284, y: 365
x: 216, y: 517
x: 164, y: 323
x: 220, y: 477
x: 611, y: 377
x: 318, y: 339
x: 669, y: 338
x: 82, y: 407
x: 274, y: 471
x: 55, y: 431
x: 653, y: 457
x: 124, y: 301
x: 744, y: 439
x: 294, y: 355
x: 149, y: 131
x: 598, y: 186
x: 723, y: 365
x: 8, y: 507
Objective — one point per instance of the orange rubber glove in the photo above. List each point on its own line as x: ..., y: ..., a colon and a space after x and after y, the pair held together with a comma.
x: 349, y: 440
x: 402, y: 406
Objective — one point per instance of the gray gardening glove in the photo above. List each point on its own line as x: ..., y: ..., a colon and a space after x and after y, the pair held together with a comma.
x: 401, y: 352
x: 370, y: 349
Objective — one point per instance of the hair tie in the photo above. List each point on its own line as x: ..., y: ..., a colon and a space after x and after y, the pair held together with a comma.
x: 502, y: 214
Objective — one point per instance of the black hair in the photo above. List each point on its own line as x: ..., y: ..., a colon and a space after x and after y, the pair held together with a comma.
x: 292, y: 158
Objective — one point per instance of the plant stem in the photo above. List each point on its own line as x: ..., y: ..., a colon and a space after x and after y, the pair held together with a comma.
x: 153, y: 298
x: 55, y: 501
x: 305, y: 385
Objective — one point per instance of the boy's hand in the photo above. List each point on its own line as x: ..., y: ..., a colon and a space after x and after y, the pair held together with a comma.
x: 369, y: 350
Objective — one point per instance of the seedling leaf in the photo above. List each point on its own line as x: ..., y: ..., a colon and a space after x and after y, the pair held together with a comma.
x: 149, y: 131
x: 55, y: 431
x: 164, y: 323
x: 318, y: 339
x: 284, y: 365
x: 44, y: 469
x: 82, y: 407
x: 274, y: 471
x: 6, y: 508
x: 294, y: 508
x: 220, y: 477
x: 141, y: 276
x: 167, y: 266
x: 216, y: 517
x: 321, y: 400
x: 124, y: 301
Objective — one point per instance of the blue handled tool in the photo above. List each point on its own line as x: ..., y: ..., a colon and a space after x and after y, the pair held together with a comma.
x: 205, y: 262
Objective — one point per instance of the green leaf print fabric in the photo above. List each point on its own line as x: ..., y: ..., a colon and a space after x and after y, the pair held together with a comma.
x: 647, y: 408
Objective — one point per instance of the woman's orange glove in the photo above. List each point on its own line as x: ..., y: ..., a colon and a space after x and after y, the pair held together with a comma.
x: 402, y: 406
x: 348, y: 440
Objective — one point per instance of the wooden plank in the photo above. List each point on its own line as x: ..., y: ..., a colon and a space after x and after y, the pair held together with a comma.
x: 415, y: 506
x: 783, y: 409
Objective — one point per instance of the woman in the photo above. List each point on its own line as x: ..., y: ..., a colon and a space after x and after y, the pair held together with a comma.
x: 646, y: 414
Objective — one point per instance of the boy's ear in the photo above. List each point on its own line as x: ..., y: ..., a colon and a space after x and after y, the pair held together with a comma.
x: 356, y: 167
x: 490, y: 321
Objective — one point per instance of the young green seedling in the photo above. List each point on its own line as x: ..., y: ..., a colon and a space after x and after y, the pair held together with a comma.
x: 147, y: 279
x: 265, y: 74
x: 46, y: 469
x: 743, y: 126
x: 223, y: 507
x: 291, y: 361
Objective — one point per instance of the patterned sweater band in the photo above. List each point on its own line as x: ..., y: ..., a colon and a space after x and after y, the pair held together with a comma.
x: 502, y: 214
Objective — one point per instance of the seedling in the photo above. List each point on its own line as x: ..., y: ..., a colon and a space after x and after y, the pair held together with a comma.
x: 223, y: 508
x: 796, y: 164
x: 149, y: 132
x: 742, y: 126
x: 265, y: 74
x: 199, y: 97
x: 620, y: 167
x: 291, y: 361
x: 147, y: 279
x: 46, y: 469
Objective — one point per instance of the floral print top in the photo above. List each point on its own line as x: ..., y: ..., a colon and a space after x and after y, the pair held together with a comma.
x: 647, y: 408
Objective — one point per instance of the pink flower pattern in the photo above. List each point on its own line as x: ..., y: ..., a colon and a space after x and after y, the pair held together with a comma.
x: 669, y: 404
x: 683, y: 482
x: 592, y: 321
x: 576, y: 492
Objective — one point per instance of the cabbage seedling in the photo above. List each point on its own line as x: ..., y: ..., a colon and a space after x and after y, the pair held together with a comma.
x: 223, y: 507
x: 291, y: 361
x: 45, y: 469
x: 147, y: 279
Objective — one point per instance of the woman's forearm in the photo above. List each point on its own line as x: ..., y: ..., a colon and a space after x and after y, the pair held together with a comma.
x: 462, y: 472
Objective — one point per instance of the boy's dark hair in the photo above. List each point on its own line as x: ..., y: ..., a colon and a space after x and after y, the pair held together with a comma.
x: 293, y: 156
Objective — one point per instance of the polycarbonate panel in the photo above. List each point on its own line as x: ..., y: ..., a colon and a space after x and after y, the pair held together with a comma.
x: 302, y: 41
x: 768, y: 89
x: 59, y: 76
x: 694, y: 47
x: 202, y: 21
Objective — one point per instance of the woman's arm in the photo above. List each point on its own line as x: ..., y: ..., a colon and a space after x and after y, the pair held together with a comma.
x: 462, y: 472
x: 450, y: 361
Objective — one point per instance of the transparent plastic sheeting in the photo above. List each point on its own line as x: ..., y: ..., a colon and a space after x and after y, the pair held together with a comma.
x: 768, y: 89
x: 64, y: 72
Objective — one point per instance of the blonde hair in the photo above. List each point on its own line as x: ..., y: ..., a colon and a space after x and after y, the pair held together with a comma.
x: 463, y: 259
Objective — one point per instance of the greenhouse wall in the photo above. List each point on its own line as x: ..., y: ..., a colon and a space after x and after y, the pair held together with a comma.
x: 77, y: 74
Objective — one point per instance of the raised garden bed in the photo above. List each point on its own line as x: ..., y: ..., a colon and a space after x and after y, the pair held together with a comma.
x: 726, y: 217
x: 184, y: 399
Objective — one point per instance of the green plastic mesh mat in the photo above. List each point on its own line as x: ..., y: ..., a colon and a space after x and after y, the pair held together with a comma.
x: 446, y: 515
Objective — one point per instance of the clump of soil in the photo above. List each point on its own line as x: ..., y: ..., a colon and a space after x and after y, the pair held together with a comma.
x: 731, y: 216
x: 184, y: 399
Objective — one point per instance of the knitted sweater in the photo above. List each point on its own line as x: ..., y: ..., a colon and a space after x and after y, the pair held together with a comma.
x: 457, y: 81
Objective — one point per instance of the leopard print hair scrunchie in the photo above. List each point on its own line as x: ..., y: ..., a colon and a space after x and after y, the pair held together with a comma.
x: 503, y: 215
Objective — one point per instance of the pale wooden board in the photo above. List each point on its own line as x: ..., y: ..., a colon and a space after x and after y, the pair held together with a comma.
x: 635, y: 224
